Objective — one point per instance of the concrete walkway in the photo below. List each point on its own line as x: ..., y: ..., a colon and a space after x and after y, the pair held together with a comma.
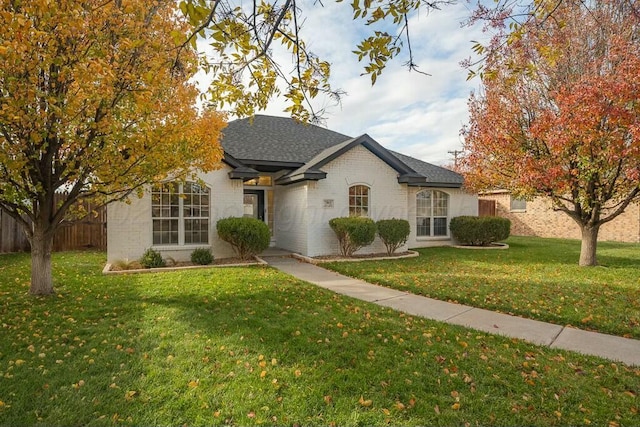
x: 607, y: 346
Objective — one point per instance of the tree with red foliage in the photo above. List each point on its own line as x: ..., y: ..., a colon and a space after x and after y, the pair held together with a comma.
x: 559, y: 115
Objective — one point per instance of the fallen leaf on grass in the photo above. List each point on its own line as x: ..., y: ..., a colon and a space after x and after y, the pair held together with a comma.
x: 365, y: 403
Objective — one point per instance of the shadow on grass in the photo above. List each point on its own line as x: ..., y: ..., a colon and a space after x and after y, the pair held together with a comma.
x: 253, y: 346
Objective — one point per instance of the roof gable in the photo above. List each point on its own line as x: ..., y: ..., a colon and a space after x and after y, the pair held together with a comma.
x: 269, y: 143
x: 329, y: 154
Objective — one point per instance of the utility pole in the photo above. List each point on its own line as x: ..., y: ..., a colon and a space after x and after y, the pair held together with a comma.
x: 455, y: 154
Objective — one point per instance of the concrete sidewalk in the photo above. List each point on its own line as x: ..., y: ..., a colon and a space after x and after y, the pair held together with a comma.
x: 607, y: 346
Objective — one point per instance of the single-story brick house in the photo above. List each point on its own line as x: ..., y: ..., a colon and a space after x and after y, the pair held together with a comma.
x: 537, y: 218
x: 295, y: 178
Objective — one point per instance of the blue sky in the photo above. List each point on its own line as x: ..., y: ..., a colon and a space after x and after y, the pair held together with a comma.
x: 405, y: 111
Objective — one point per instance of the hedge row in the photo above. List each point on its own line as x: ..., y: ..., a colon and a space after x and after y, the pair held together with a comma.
x: 479, y: 231
x: 250, y: 236
x: 355, y: 233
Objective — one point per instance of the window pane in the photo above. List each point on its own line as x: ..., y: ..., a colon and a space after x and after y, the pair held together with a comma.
x: 169, y: 207
x: 518, y: 204
x: 196, y: 213
x: 432, y: 211
x: 423, y: 204
x: 165, y: 231
x: 261, y: 180
x: 423, y: 228
x: 358, y: 200
x: 196, y: 231
x: 440, y: 226
x: 164, y: 202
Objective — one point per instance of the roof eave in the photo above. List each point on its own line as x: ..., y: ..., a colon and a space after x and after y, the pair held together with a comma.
x: 310, y: 175
x: 416, y: 180
x: 243, y: 173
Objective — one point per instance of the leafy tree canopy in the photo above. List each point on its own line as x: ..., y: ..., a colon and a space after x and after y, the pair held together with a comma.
x: 559, y: 115
x: 241, y: 38
x: 95, y: 100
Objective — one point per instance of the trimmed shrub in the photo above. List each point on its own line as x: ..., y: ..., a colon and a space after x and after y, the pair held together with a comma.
x: 202, y: 256
x: 479, y: 231
x: 152, y: 259
x: 393, y: 233
x: 247, y: 236
x: 353, y: 233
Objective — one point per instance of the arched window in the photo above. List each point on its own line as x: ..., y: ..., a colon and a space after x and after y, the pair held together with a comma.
x: 180, y: 214
x: 358, y: 200
x: 432, y: 212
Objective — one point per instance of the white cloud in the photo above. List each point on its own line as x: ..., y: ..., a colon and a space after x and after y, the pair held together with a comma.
x: 405, y: 111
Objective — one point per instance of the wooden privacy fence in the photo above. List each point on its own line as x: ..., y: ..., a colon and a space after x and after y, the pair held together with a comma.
x: 12, y: 238
x: 89, y: 232
x: 486, y: 207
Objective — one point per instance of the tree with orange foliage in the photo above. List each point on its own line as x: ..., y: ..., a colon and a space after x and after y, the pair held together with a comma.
x: 95, y: 101
x: 559, y: 116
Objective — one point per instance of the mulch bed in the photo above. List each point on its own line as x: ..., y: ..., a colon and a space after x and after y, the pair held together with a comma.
x: 365, y: 256
x: 135, y: 265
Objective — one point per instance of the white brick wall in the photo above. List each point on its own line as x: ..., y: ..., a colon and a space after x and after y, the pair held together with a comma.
x: 291, y: 217
x: 128, y: 228
x: 301, y: 217
x: 387, y: 198
x: 129, y: 225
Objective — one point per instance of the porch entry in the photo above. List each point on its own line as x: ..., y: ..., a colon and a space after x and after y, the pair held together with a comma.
x: 254, y: 204
x: 259, y: 204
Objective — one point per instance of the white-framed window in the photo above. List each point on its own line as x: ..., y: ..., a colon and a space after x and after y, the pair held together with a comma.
x: 432, y: 213
x: 358, y: 200
x: 180, y: 214
x: 517, y: 205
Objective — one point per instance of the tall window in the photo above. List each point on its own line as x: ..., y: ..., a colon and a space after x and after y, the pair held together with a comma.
x: 358, y: 200
x: 432, y: 210
x: 180, y: 214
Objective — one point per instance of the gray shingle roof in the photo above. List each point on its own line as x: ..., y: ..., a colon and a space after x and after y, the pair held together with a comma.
x: 284, y: 140
x: 435, y: 174
x: 277, y: 139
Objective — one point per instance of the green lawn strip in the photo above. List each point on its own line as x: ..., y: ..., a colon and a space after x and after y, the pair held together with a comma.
x: 252, y: 346
x: 535, y: 278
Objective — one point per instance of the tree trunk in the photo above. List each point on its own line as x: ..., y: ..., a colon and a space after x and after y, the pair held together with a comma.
x: 589, y: 245
x: 41, y: 247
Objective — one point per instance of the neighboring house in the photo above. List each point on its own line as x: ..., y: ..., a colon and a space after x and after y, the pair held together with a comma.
x: 295, y: 178
x: 537, y: 218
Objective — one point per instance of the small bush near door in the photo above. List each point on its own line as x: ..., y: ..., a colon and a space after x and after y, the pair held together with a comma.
x: 247, y: 236
x: 393, y: 233
x: 353, y: 233
x: 479, y: 231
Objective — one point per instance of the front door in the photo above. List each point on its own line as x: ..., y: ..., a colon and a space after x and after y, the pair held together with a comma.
x: 254, y: 204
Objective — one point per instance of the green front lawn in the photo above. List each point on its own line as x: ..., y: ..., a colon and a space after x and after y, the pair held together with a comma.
x: 535, y: 278
x: 249, y: 346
